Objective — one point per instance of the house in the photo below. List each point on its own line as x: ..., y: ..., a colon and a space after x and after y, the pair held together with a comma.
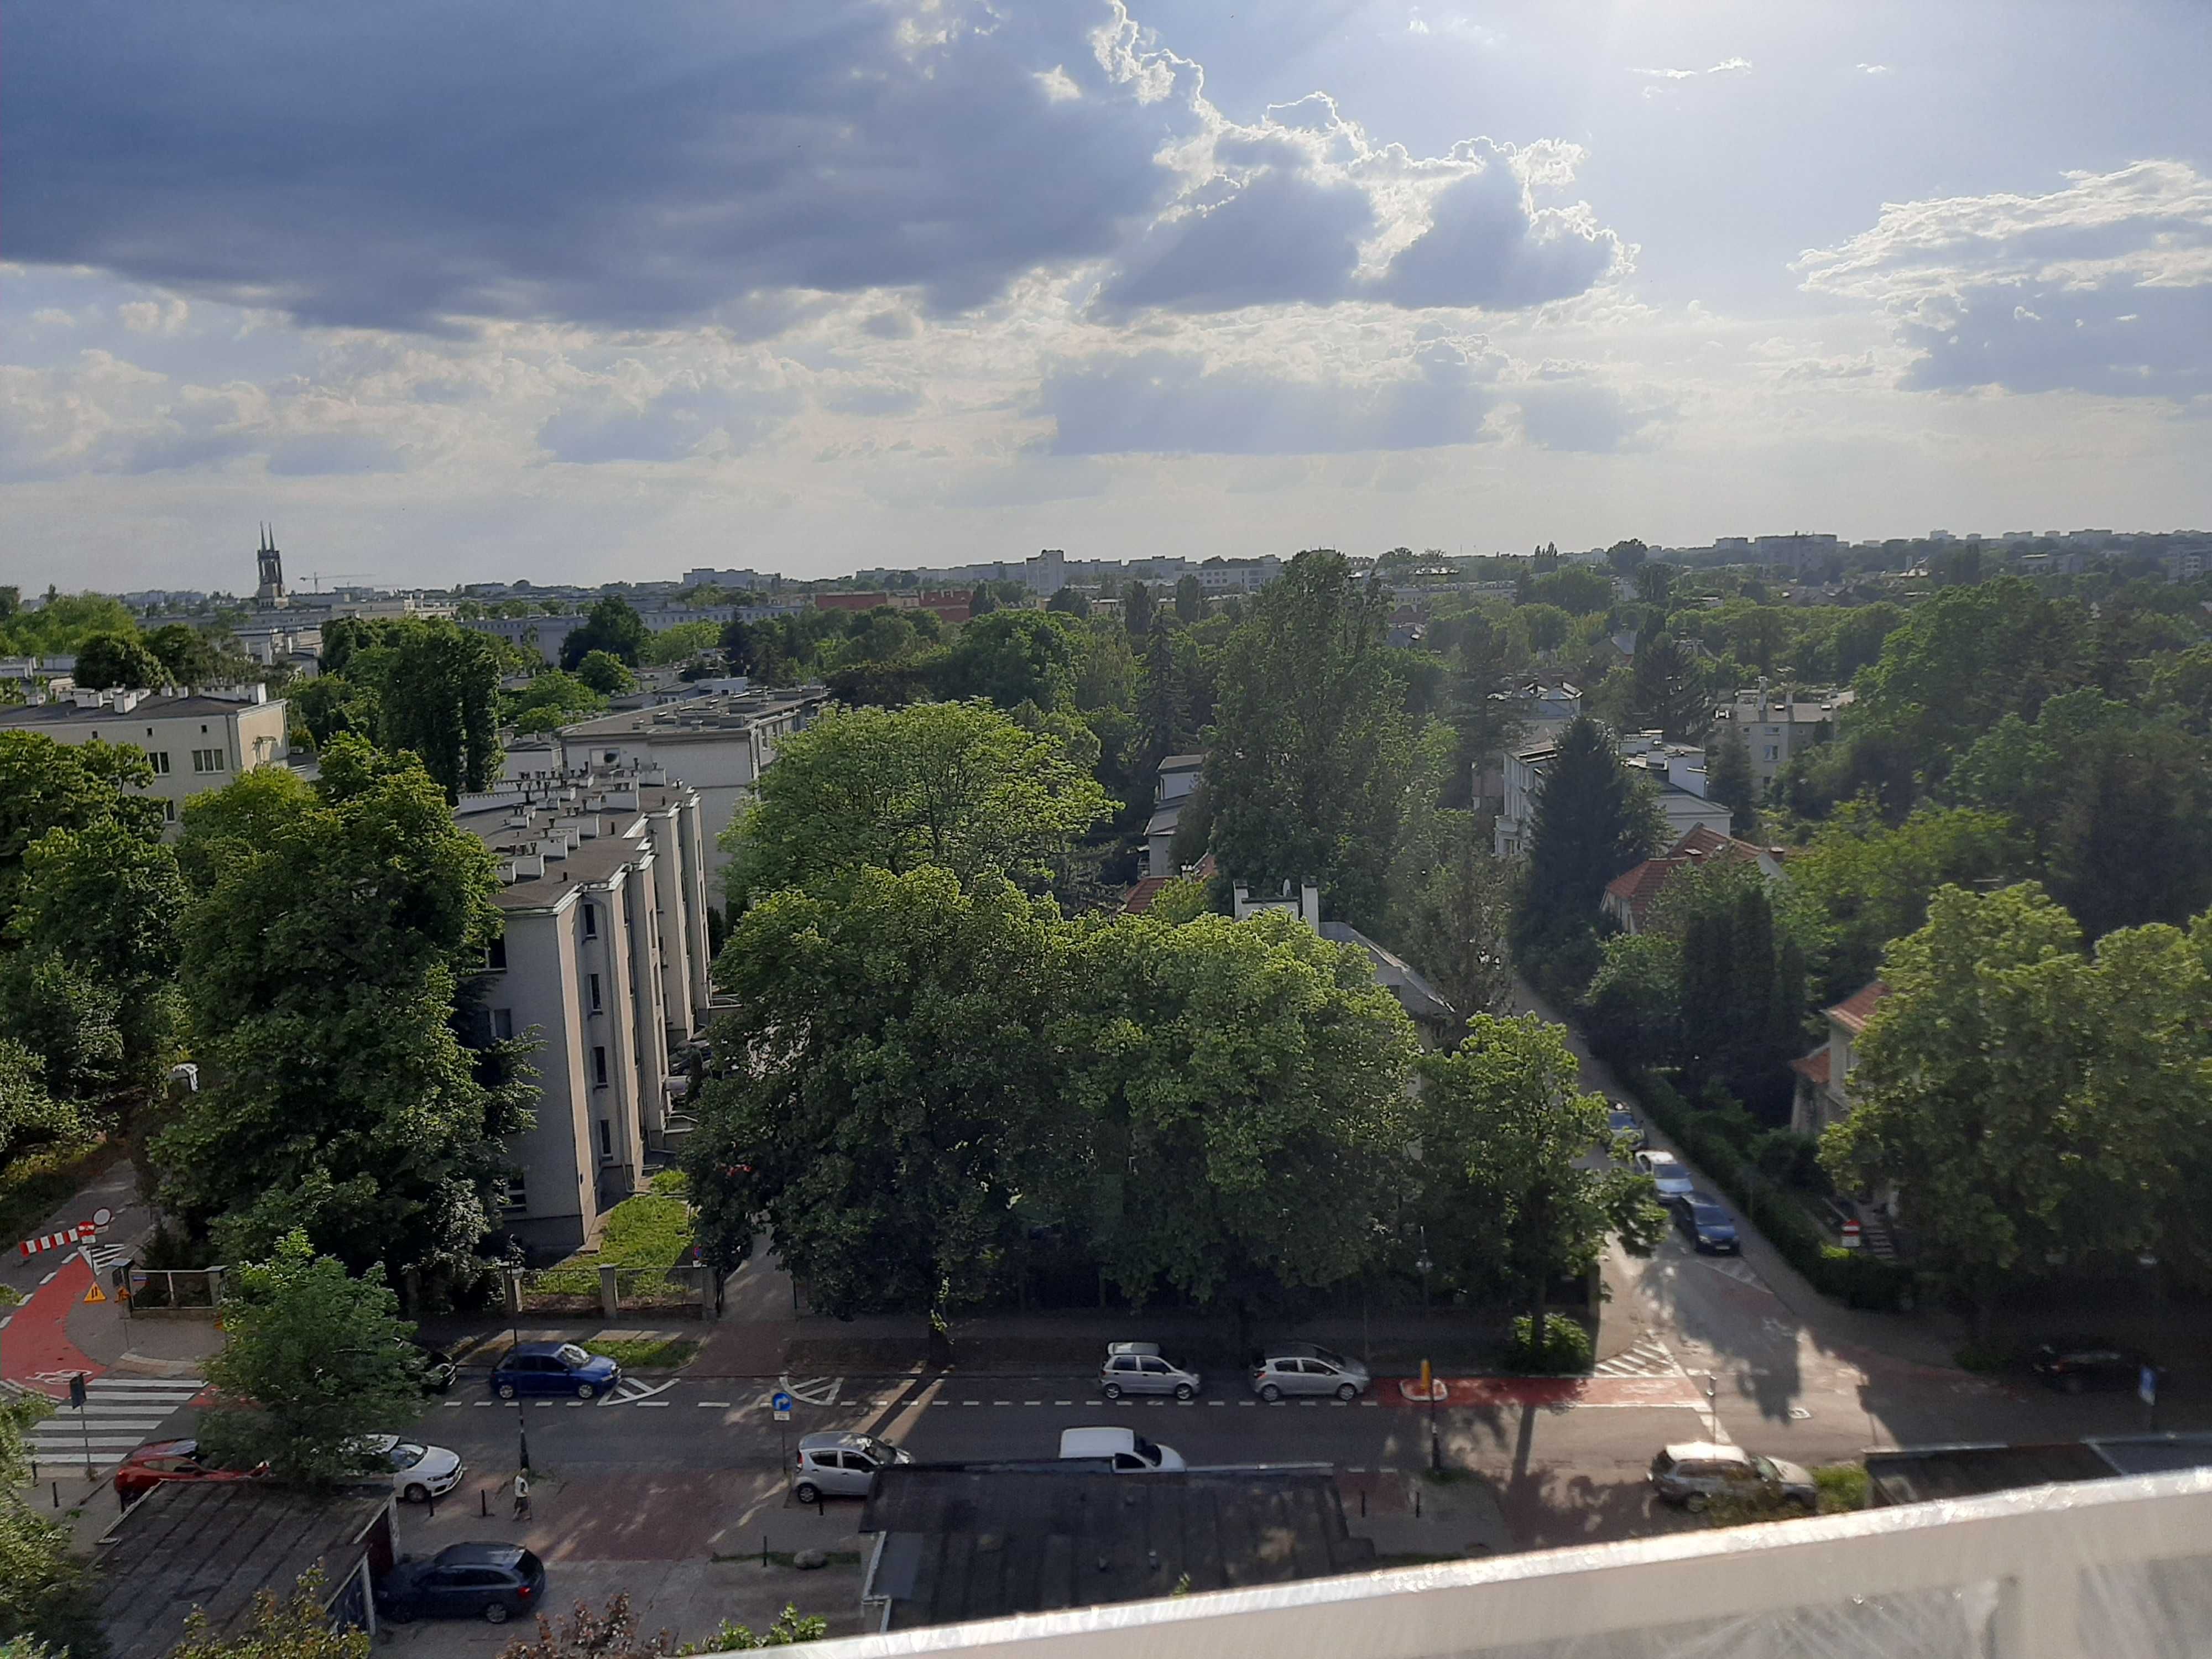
x: 1824, y: 1075
x: 604, y: 961
x: 1304, y: 905
x: 1777, y: 725
x: 1438, y: 1022
x: 216, y: 1544
x: 195, y: 740
x: 1629, y: 896
x: 1178, y: 781
x: 951, y: 1542
x: 719, y: 744
x: 1676, y: 773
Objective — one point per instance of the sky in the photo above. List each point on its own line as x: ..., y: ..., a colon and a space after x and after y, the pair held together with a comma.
x: 469, y: 294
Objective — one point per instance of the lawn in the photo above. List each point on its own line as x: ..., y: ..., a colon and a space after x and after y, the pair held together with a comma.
x: 658, y: 1354
x: 651, y: 1231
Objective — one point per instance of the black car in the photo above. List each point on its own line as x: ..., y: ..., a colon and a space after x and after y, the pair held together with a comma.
x: 2087, y: 1362
x: 491, y: 1581
x: 1708, y: 1227
x: 438, y: 1368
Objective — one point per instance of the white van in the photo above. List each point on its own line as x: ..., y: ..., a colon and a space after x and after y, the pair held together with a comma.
x: 1132, y: 1453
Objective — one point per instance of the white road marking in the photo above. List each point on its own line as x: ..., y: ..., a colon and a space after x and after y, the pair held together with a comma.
x: 647, y: 1405
x: 722, y: 1404
x: 49, y: 1279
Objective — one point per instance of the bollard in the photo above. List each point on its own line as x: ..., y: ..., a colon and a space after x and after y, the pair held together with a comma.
x: 1362, y: 1503
x: 483, y: 1499
x: 763, y: 1549
x: 1416, y: 1500
x: 57, y: 1493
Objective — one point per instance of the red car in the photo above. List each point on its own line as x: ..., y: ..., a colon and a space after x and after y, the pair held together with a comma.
x: 166, y: 1460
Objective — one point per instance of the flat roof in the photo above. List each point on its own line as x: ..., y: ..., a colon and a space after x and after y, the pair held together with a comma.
x: 181, y: 707
x: 216, y: 1544
x: 594, y: 859
x: 982, y: 1541
x: 717, y: 712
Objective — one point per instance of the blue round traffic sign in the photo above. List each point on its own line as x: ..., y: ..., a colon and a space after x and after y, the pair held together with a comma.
x: 781, y: 1401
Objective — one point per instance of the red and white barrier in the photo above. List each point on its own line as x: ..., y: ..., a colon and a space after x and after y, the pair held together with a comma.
x: 83, y: 1233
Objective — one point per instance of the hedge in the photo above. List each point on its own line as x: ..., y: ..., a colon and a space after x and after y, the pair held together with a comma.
x: 1852, y: 1277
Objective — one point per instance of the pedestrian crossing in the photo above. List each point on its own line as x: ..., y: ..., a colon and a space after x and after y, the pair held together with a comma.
x: 1646, y: 1357
x: 120, y: 1415
x: 104, y: 1257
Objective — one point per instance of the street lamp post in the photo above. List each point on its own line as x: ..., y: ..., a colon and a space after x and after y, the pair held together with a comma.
x: 1428, y: 1374
x: 2148, y: 1263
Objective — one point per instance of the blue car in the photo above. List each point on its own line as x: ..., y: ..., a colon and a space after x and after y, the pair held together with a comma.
x: 560, y: 1368
x: 1709, y: 1228
x: 491, y: 1581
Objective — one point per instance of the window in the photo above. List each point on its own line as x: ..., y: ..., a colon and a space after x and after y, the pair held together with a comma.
x: 503, y: 1025
x: 606, y: 1138
x: 495, y: 956
x: 159, y: 760
x: 518, y: 1194
x: 590, y: 920
x: 169, y: 812
x: 210, y: 759
x: 1772, y: 753
x: 595, y: 994
x: 599, y: 1067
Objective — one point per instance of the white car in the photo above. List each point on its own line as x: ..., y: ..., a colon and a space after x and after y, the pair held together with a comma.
x: 1130, y: 1451
x: 1666, y: 1174
x: 419, y: 1473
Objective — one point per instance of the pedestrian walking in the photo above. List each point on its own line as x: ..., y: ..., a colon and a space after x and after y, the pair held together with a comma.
x: 521, y: 1495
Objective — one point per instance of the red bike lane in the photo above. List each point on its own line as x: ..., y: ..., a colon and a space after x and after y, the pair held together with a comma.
x: 35, y: 1351
x: 1559, y: 1393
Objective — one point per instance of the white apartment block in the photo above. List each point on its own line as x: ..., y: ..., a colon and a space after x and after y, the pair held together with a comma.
x: 604, y: 965
x: 1777, y: 725
x: 194, y: 739
x: 718, y: 745
x: 1676, y: 773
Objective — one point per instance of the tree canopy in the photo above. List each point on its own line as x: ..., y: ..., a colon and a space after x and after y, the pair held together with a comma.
x: 612, y: 626
x: 1591, y: 824
x: 105, y: 661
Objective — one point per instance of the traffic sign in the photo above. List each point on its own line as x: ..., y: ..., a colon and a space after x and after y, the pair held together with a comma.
x: 781, y: 1402
x: 102, y: 1216
x: 2147, y: 1385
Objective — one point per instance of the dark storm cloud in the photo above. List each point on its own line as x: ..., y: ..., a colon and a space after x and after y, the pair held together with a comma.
x: 1170, y: 403
x: 408, y: 164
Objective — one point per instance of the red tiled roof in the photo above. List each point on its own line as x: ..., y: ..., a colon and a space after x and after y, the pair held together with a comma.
x: 1637, y: 887
x: 850, y: 601
x: 1813, y: 1067
x: 1855, y: 1010
x: 1142, y: 894
x: 1702, y: 842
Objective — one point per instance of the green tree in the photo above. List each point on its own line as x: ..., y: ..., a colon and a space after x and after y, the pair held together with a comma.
x: 613, y: 626
x: 188, y: 655
x: 1461, y: 916
x: 605, y: 674
x: 667, y: 646
x: 1508, y: 1194
x: 1590, y: 822
x: 1627, y: 558
x: 1012, y: 657
x: 47, y: 786
x: 2028, y: 1100
x: 1577, y: 590
x: 553, y: 700
x: 105, y: 660
x: 331, y: 703
x: 981, y: 602
x: 314, y: 1359
x: 297, y: 1628
x: 613, y: 1633
x: 1163, y: 726
x: 1742, y: 997
x: 1137, y: 608
x: 1669, y: 692
x: 437, y: 687
x: 1189, y: 599
x: 954, y: 784
x: 882, y: 1124
x: 1655, y: 584
x: 1729, y: 778
x: 1313, y: 752
x: 1239, y: 1090
x: 1068, y: 603
x: 321, y: 964
x: 29, y: 1114
x: 47, y: 1593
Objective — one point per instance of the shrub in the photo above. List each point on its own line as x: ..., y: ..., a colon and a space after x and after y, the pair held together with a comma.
x: 1566, y: 1346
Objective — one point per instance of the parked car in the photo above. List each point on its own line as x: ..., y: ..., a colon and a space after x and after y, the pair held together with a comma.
x: 1302, y: 1367
x: 438, y: 1368
x: 1667, y: 1173
x: 553, y: 1367
x: 2084, y: 1363
x: 1138, y: 1368
x: 836, y: 1465
x: 419, y: 1473
x: 1131, y: 1453
x: 1621, y: 1122
x: 160, y: 1460
x: 491, y: 1581
x: 1696, y: 1473
x: 1706, y: 1224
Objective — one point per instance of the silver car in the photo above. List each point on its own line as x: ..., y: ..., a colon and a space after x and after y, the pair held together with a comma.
x: 840, y: 1465
x: 1666, y: 1174
x: 1138, y: 1368
x: 1698, y: 1472
x: 1291, y: 1368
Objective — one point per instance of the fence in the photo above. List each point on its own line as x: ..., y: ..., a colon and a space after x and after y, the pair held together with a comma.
x: 586, y: 1290
x: 174, y: 1292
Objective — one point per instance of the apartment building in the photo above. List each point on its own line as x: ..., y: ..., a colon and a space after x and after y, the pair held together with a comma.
x: 195, y: 740
x: 1776, y: 724
x: 719, y: 745
x: 1675, y: 773
x: 604, y: 965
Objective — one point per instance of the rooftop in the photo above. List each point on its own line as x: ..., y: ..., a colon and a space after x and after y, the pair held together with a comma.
x: 560, y: 831
x: 1420, y: 998
x: 696, y: 718
x: 216, y: 1545
x: 104, y: 709
x: 1855, y: 1010
x: 968, y: 1542
x: 1183, y: 762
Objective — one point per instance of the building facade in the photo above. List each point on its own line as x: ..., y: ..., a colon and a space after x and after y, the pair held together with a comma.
x: 603, y: 965
x: 1776, y: 724
x: 194, y: 740
x: 718, y: 745
x: 1675, y: 773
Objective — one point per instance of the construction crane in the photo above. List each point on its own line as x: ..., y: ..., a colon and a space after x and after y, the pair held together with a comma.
x: 319, y: 577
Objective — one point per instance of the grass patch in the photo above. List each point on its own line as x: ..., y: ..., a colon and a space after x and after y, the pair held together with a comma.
x: 33, y: 1186
x: 672, y: 1183
x: 647, y: 1353
x: 9, y: 1296
x: 652, y: 1230
x: 1843, y: 1487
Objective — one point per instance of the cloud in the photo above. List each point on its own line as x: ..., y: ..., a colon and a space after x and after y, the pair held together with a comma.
x: 2104, y: 286
x: 685, y: 419
x: 442, y: 169
x: 1875, y: 69
x: 1167, y: 403
x: 1584, y: 416
x: 1488, y: 244
x: 1726, y: 66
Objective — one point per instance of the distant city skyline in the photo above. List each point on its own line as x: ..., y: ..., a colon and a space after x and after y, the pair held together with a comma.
x: 454, y: 295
